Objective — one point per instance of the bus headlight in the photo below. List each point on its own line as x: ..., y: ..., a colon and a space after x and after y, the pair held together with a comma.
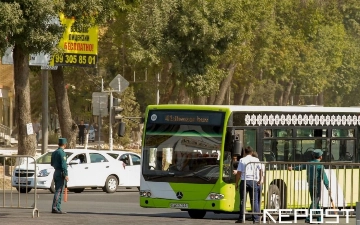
x: 215, y: 196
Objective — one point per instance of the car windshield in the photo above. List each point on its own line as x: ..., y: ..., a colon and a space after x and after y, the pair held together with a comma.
x: 46, y: 158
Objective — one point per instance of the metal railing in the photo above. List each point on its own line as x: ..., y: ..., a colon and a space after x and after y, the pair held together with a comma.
x: 22, y: 171
x: 290, y: 188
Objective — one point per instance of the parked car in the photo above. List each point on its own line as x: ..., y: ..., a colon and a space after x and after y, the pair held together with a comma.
x: 86, y: 168
x: 91, y: 131
x: 131, y: 163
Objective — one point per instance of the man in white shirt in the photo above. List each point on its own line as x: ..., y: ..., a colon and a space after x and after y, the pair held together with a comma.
x: 250, y: 172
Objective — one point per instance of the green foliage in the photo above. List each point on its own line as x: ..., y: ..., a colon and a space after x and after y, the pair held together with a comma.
x: 32, y: 29
x: 190, y: 35
x: 10, y: 22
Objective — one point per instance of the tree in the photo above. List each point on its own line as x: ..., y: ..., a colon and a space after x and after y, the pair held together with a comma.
x: 185, y: 39
x: 26, y: 27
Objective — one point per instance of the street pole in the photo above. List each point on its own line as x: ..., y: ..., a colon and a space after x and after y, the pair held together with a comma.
x: 110, y: 123
x: 99, y: 123
x: 45, y: 111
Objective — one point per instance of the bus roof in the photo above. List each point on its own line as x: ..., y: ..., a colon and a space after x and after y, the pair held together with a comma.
x: 251, y: 108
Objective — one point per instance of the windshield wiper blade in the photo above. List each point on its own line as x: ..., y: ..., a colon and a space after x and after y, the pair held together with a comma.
x: 160, y: 176
x: 196, y: 175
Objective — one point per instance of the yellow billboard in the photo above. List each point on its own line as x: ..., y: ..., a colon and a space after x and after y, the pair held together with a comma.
x: 80, y: 47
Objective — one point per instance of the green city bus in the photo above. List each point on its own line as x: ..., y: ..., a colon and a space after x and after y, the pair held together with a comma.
x: 187, y: 152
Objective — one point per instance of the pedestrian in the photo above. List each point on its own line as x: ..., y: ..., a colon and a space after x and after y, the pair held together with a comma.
x: 36, y: 128
x: 82, y: 128
x: 249, y: 182
x: 235, y: 163
x: 261, y: 181
x: 315, y: 174
x: 58, y: 161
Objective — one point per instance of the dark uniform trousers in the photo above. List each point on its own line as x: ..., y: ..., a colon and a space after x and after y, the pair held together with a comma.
x: 59, y: 188
x: 315, y: 195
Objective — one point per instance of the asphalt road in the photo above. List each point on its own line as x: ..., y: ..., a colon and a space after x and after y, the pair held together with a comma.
x: 97, y: 207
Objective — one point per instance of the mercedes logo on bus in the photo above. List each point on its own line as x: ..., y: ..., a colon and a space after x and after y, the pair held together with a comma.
x: 179, y: 195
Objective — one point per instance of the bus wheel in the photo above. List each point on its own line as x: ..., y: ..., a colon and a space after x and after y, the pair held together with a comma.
x: 274, y: 198
x: 197, y: 214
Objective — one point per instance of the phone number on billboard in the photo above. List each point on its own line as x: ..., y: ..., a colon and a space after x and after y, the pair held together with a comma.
x: 68, y: 59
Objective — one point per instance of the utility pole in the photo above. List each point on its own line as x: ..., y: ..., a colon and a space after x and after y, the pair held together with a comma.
x: 45, y: 111
x: 110, y: 124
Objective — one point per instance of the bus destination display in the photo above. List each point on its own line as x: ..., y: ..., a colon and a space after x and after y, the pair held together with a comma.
x: 186, y: 117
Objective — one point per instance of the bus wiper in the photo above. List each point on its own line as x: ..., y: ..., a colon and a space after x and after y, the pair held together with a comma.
x: 160, y: 176
x: 196, y: 175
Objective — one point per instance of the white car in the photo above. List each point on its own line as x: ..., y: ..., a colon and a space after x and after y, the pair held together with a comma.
x: 131, y: 163
x: 86, y: 168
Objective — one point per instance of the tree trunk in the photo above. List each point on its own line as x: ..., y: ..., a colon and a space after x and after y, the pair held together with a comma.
x: 287, y: 92
x: 26, y: 143
x: 321, y: 98
x: 239, y: 94
x: 297, y: 95
x: 279, y: 94
x: 67, y: 125
x: 246, y: 97
x: 225, y: 85
x: 168, y: 84
x: 200, y: 100
x: 211, y: 99
x: 182, y: 98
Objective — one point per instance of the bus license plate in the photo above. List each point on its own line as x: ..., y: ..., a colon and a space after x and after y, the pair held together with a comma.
x: 179, y: 205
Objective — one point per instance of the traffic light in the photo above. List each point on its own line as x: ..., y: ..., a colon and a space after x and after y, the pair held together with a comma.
x: 115, y: 114
x: 121, y: 129
x: 116, y: 101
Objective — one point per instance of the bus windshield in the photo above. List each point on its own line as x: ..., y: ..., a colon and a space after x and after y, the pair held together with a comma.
x: 182, y: 152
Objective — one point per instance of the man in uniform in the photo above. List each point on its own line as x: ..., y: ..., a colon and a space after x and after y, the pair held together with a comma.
x: 315, y: 174
x: 58, y: 161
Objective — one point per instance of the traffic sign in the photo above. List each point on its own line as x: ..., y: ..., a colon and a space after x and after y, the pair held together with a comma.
x: 40, y: 59
x: 119, y: 84
x: 100, y: 104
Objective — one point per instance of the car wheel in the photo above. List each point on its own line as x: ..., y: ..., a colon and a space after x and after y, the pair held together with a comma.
x: 23, y: 190
x: 52, y: 187
x: 111, y: 184
x: 197, y: 214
